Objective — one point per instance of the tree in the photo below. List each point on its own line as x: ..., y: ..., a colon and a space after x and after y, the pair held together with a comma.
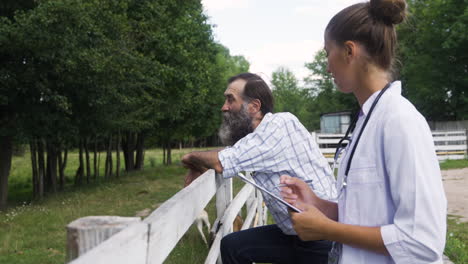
x: 434, y: 60
x: 325, y: 97
x: 9, y: 90
x: 289, y: 97
x: 100, y: 74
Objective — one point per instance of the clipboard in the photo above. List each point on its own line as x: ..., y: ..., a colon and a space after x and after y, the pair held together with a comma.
x: 292, y: 207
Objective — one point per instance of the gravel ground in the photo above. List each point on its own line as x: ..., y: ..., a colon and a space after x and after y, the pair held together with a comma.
x: 456, y: 186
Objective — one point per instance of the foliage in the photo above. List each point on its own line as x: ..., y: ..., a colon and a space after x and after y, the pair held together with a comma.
x: 315, y: 97
x: 325, y: 98
x: 435, y: 63
x: 80, y: 72
x: 289, y: 97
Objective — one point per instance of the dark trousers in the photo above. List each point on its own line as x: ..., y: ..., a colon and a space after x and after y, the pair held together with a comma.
x: 268, y: 244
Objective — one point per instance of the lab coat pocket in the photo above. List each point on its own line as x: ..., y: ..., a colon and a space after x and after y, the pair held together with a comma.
x: 365, y: 198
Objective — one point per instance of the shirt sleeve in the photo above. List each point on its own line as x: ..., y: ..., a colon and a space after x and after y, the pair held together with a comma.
x: 417, y: 234
x: 258, y: 151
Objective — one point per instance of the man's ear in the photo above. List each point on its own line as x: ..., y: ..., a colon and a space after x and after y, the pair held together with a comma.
x: 255, y: 105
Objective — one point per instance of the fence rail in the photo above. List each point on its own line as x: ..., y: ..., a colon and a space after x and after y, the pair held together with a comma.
x: 150, y: 241
x: 448, y: 144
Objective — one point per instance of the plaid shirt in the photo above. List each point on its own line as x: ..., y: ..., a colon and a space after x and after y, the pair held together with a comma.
x: 279, y: 145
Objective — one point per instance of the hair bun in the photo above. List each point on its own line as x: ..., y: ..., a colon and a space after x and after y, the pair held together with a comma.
x: 391, y: 12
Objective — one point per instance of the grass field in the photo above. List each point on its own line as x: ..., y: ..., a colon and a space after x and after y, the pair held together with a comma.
x: 34, y: 232
x: 457, y: 234
x: 454, y: 164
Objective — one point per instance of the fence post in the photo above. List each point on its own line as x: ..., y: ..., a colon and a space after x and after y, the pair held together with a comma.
x: 86, y: 233
x: 466, y: 144
x: 260, y: 209
x: 314, y: 136
x: 223, y: 199
x: 223, y: 194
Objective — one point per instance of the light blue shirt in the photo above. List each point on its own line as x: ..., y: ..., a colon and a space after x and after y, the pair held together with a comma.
x: 279, y: 145
x: 395, y: 183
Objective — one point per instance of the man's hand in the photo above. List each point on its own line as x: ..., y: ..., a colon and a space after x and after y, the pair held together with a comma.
x: 195, y: 170
x: 191, y: 176
x: 202, y: 161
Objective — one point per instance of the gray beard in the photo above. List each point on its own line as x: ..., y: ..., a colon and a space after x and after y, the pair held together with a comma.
x: 235, y: 126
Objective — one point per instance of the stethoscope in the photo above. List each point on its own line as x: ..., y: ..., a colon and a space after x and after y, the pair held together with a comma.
x: 348, y: 138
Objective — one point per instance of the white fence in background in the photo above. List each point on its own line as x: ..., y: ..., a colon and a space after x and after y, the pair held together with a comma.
x: 150, y: 241
x: 448, y: 144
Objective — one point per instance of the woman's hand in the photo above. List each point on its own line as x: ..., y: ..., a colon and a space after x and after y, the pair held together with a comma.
x: 318, y: 215
x: 297, y: 192
x: 311, y: 224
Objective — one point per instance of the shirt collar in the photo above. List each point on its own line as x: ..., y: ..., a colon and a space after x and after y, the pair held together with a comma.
x: 265, y: 119
x: 395, y: 88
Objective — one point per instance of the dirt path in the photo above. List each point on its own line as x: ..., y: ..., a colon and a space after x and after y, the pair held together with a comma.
x: 456, y: 190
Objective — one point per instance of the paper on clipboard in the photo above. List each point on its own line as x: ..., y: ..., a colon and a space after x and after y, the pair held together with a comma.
x: 269, y: 193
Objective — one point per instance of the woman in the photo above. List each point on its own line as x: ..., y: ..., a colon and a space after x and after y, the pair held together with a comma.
x: 391, y: 206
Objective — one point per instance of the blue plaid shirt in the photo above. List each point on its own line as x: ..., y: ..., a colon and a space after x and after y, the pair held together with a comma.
x: 279, y: 145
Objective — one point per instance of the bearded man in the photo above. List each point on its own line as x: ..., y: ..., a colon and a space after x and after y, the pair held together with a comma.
x: 268, y: 145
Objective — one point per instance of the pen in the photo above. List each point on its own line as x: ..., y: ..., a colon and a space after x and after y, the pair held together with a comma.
x: 285, y: 185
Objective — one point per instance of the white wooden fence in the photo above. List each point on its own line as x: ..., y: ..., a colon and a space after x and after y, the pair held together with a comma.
x: 448, y: 144
x: 150, y: 241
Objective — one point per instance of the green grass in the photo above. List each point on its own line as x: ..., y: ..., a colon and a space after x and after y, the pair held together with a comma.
x: 456, y: 247
x: 34, y: 232
x: 457, y: 237
x: 20, y: 181
x: 454, y: 164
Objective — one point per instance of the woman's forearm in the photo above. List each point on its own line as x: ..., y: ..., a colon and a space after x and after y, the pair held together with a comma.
x: 364, y: 237
x: 328, y: 208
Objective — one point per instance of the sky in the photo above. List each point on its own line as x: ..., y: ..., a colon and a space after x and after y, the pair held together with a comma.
x: 273, y: 33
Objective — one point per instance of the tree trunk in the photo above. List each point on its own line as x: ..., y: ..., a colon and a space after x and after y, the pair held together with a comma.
x: 128, y: 147
x: 98, y: 164
x: 88, y: 165
x: 108, y: 169
x: 140, y: 151
x: 169, y: 156
x: 80, y: 170
x: 62, y: 164
x: 51, y: 178
x: 35, y: 173
x: 95, y: 160
x: 6, y: 153
x: 164, y: 154
x: 125, y: 151
x: 41, y: 170
x: 117, y: 148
